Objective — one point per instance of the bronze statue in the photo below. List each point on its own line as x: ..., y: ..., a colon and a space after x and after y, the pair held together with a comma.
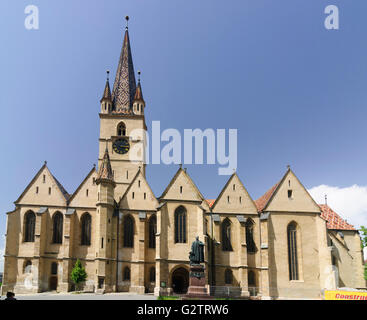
x: 197, y: 252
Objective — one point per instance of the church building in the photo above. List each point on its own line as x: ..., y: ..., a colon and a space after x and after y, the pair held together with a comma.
x: 283, y: 245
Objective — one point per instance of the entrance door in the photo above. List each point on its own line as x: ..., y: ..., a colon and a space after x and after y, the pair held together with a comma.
x: 180, y: 280
x: 53, y: 283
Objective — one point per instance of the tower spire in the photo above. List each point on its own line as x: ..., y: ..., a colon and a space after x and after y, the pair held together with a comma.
x: 105, y: 170
x: 139, y: 92
x: 107, y: 90
x: 125, y: 85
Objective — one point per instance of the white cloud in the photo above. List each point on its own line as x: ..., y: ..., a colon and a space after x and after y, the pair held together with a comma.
x: 350, y: 202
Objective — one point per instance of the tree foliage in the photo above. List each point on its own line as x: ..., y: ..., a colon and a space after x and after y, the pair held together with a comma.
x: 364, y: 236
x: 78, y: 274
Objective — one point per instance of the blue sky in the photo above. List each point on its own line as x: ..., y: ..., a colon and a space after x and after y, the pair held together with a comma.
x: 295, y: 91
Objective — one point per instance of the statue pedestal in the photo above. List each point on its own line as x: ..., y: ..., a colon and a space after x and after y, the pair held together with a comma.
x: 197, y: 287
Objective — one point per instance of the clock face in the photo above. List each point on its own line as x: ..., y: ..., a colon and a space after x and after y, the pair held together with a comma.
x: 121, y: 146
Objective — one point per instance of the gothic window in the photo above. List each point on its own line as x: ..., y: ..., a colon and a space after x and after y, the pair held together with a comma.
x: 180, y: 225
x: 86, y: 223
x: 152, y: 274
x: 152, y: 231
x: 228, y: 276
x: 121, y: 129
x: 29, y: 226
x: 226, y: 235
x: 54, y: 268
x: 58, y: 226
x: 126, y: 274
x: 128, y: 232
x: 292, y: 251
x: 251, y: 248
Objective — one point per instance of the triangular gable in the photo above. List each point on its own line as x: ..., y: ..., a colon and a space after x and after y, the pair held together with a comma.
x: 139, y: 195
x: 182, y: 187
x: 58, y: 195
x: 86, y: 194
x: 234, y: 198
x: 299, y: 201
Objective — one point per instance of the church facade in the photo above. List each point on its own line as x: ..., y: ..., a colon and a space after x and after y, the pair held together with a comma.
x: 283, y: 245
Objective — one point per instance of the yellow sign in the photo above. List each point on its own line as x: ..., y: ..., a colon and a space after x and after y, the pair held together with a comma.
x: 345, y: 295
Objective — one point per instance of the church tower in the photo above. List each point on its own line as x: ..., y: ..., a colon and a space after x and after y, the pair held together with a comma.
x: 122, y: 123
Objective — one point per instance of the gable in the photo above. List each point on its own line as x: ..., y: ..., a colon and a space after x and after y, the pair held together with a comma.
x: 234, y: 198
x: 182, y: 187
x: 86, y: 194
x: 298, y: 201
x: 44, y: 189
x: 139, y: 195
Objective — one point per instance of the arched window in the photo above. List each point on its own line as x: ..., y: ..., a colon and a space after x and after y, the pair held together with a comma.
x: 180, y: 225
x: 58, y: 226
x: 226, y: 235
x: 126, y: 274
x: 54, y: 268
x: 292, y: 251
x: 251, y: 248
x: 228, y: 277
x: 152, y: 231
x: 28, y: 266
x: 29, y: 226
x: 128, y: 232
x: 86, y: 223
x: 121, y: 129
x: 152, y: 274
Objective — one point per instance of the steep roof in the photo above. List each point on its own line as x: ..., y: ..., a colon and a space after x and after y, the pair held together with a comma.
x: 210, y: 202
x: 107, y: 91
x: 334, y: 221
x: 105, y: 170
x: 60, y: 187
x: 80, y: 186
x: 139, y: 93
x: 264, y: 199
x: 125, y: 85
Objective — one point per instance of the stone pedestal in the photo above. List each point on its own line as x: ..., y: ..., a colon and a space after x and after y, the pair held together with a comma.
x: 197, y: 281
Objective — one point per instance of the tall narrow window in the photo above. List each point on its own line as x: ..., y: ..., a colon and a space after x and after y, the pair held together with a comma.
x: 36, y: 189
x: 226, y: 235
x: 86, y: 223
x: 292, y: 251
x: 49, y: 190
x: 57, y: 231
x: 54, y: 268
x: 152, y: 274
x: 228, y: 276
x: 29, y: 226
x: 126, y: 274
x: 251, y: 248
x: 121, y: 129
x: 152, y: 231
x: 181, y: 189
x: 44, y: 178
x: 180, y: 225
x: 128, y: 232
x: 251, y: 279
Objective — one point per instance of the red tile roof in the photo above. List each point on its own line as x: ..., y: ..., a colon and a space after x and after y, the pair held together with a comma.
x: 210, y: 202
x: 262, y: 201
x: 334, y: 221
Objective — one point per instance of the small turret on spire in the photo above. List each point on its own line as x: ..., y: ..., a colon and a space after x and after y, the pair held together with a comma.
x: 138, y: 103
x: 106, y: 101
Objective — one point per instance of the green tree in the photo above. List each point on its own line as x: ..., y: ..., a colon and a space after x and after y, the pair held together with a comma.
x: 364, y: 236
x: 78, y: 274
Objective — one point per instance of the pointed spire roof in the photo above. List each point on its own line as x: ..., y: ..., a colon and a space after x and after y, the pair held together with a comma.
x: 105, y: 170
x: 107, y: 90
x: 125, y: 85
x: 139, y: 93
